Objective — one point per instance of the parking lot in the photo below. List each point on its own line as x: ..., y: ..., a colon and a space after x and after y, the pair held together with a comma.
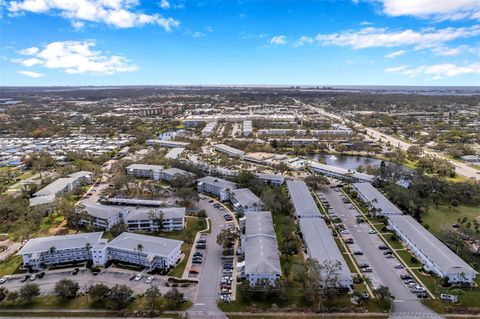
x: 382, y: 267
x: 86, y: 279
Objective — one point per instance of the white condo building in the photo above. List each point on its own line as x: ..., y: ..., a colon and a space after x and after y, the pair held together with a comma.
x: 145, y: 171
x: 148, y: 219
x: 216, y: 186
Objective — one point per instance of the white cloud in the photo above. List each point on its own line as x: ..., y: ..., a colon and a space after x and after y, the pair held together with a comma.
x: 303, y: 40
x: 395, y: 54
x: 437, y: 9
x: 78, y: 57
x: 116, y: 13
x: 382, y: 37
x: 164, y: 4
x: 198, y: 34
x: 279, y: 40
x: 437, y: 71
x: 31, y: 74
x: 29, y: 51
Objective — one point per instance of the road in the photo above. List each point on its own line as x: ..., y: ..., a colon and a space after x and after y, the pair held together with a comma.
x: 206, y: 298
x: 460, y: 168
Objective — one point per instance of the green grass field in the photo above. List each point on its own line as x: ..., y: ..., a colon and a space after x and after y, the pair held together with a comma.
x: 444, y: 216
x: 11, y: 265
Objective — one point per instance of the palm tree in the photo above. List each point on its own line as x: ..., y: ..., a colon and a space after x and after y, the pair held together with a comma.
x: 52, y: 250
x: 139, y: 251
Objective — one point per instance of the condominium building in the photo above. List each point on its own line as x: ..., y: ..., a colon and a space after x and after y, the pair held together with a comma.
x: 379, y: 204
x: 209, y: 128
x: 145, y: 171
x: 103, y: 216
x: 247, y: 128
x: 40, y: 253
x: 271, y: 179
x: 170, y: 173
x: 216, y: 186
x: 230, y: 151
x: 158, y: 219
x: 150, y: 252
x: 244, y: 200
x: 430, y: 251
x: 167, y: 144
x: 339, y: 173
x: 262, y: 262
x: 303, y: 204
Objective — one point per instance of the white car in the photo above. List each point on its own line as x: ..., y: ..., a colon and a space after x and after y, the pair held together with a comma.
x: 344, y: 232
x: 371, y: 232
x: 150, y: 279
x: 138, y: 276
x: 4, y: 279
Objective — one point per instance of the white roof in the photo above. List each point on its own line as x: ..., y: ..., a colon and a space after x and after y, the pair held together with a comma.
x: 145, y: 167
x: 302, y: 200
x: 376, y: 199
x: 145, y: 213
x: 43, y: 244
x: 246, y: 198
x: 152, y: 245
x: 56, y: 186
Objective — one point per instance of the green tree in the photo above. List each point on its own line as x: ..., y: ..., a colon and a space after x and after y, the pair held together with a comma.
x: 29, y: 291
x: 3, y: 293
x: 174, y: 298
x: 13, y: 296
x: 153, y: 295
x: 226, y: 238
x: 99, y: 293
x: 66, y: 288
x: 120, y: 297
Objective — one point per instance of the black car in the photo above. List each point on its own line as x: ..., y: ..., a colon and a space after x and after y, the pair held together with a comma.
x: 405, y: 277
x: 198, y: 254
x: 364, y: 265
x: 382, y: 247
x: 75, y: 271
x: 41, y: 274
x: 24, y: 278
x: 132, y: 276
x: 197, y: 260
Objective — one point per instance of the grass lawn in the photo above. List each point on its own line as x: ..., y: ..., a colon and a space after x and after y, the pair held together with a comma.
x: 193, y: 226
x: 11, y: 265
x: 445, y: 216
x: 406, y: 257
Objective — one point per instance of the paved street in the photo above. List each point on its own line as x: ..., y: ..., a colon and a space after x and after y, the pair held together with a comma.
x: 205, y: 300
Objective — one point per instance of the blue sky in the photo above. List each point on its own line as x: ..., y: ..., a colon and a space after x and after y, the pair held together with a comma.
x: 136, y: 42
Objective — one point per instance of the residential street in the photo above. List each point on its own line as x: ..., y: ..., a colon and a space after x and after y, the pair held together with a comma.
x: 205, y: 301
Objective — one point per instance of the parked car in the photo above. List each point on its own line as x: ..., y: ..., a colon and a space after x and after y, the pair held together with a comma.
x: 138, y: 276
x: 193, y: 271
x: 344, y: 232
x: 382, y: 247
x: 132, y: 276
x: 358, y: 252
x: 150, y: 279
x: 405, y: 276
x: 398, y: 266
x: 33, y: 277
x: 40, y: 275
x: 4, y: 279
x: 75, y: 271
x: 24, y: 278
x: 371, y: 231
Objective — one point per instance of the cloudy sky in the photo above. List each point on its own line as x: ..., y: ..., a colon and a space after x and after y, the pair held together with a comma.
x: 319, y: 42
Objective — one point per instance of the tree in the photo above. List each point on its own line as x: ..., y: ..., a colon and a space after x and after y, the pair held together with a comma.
x: 153, y: 295
x: 66, y: 288
x: 3, y: 293
x: 29, y: 291
x: 414, y: 152
x: 156, y: 216
x: 99, y: 292
x: 188, y: 195
x: 120, y: 297
x: 174, y: 298
x: 226, y: 238
x: 13, y: 296
x: 118, y: 229
x: 382, y: 292
x: 139, y: 250
x: 316, y: 181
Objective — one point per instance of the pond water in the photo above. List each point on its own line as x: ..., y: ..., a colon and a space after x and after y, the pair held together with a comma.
x: 346, y: 161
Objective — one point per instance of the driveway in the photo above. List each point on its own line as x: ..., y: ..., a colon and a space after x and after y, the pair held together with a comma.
x: 205, y: 300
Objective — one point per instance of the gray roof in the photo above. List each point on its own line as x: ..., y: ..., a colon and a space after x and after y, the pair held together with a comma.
x: 174, y: 153
x: 102, y: 211
x: 56, y: 186
x: 135, y: 201
x: 340, y: 171
x: 229, y: 149
x: 302, y: 200
x: 152, y: 245
x: 261, y: 248
x: 273, y: 177
x: 42, y: 200
x: 144, y: 213
x: 321, y: 245
x: 376, y: 199
x: 81, y: 174
x: 429, y: 245
x: 167, y: 143
x: 145, y: 167
x: 43, y: 244
x: 246, y: 198
x: 174, y: 171
x: 259, y: 223
x: 219, y: 182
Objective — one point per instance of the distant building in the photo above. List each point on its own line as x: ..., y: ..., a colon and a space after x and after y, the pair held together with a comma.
x: 167, y: 144
x: 171, y: 173
x: 244, y: 200
x: 222, y: 148
x: 303, y: 204
x: 102, y: 216
x: 174, y: 153
x: 209, y: 128
x: 247, y: 128
x: 160, y: 219
x: 471, y: 158
x: 271, y: 179
x: 376, y: 200
x: 216, y: 186
x: 145, y: 171
x: 339, y: 173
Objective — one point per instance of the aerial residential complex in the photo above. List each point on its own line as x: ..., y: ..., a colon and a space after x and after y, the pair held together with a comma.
x: 244, y: 200
x: 156, y: 252
x: 373, y: 198
x: 230, y: 151
x: 145, y: 171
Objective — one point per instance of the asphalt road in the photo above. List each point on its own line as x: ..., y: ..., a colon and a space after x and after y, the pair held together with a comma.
x: 406, y: 304
x: 205, y: 300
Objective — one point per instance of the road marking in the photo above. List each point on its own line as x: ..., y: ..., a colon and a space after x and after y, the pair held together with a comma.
x: 199, y: 304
